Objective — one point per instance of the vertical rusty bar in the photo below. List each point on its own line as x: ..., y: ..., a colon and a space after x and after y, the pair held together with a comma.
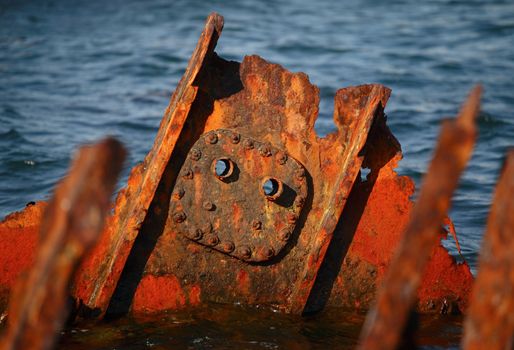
x: 71, y: 224
x: 490, y: 321
x: 386, y: 320
x: 133, y: 204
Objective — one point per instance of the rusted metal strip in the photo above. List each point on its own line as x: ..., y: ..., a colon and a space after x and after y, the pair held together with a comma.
x: 71, y: 224
x: 490, y: 321
x: 95, y: 284
x: 355, y: 111
x: 387, y: 318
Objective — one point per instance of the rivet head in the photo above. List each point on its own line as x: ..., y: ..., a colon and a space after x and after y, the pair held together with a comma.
x: 292, y: 218
x: 299, y: 201
x: 227, y: 246
x: 235, y: 138
x: 299, y: 174
x: 188, y: 174
x: 284, y: 234
x: 266, y: 252
x: 281, y: 158
x: 179, y: 193
x: 196, y: 234
x: 256, y: 224
x: 179, y: 217
x: 212, y: 138
x: 248, y: 144
x: 208, y: 205
x: 265, y: 151
x: 244, y: 252
x: 211, y: 239
x: 196, y: 154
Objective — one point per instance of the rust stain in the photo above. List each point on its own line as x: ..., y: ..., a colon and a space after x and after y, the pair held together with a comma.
x: 386, y: 320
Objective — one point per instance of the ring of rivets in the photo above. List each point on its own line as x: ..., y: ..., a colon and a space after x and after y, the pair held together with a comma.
x: 197, y: 210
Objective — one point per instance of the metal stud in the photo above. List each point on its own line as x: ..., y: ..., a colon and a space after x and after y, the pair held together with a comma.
x: 179, y: 217
x: 235, y: 138
x: 212, y: 138
x: 265, y: 151
x: 196, y: 154
x: 256, y: 224
x: 244, y: 252
x: 188, y: 174
x: 299, y: 201
x: 196, y: 234
x: 284, y: 234
x: 292, y: 218
x: 248, y: 144
x: 179, y: 193
x: 227, y: 246
x: 212, y: 239
x: 208, y: 205
x: 299, y: 174
x: 281, y: 158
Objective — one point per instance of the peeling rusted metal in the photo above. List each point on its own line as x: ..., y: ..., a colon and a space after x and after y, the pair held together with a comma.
x: 239, y: 201
x: 489, y: 323
x: 72, y: 222
x: 387, y: 318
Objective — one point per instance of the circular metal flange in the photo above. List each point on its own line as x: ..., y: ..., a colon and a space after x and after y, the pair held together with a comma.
x: 239, y: 196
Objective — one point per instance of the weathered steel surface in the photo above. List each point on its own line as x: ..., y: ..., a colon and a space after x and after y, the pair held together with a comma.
x: 96, y: 283
x: 243, y: 244
x: 370, y: 230
x: 490, y: 320
x: 239, y: 196
x: 386, y: 320
x: 72, y: 222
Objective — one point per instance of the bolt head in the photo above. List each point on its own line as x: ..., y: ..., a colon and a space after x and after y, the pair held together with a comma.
x: 284, y: 234
x: 227, y: 246
x: 244, y: 252
x: 212, y: 138
x: 179, y: 217
x: 256, y: 224
x: 208, y: 205
x: 196, y: 154
x: 265, y: 151
x: 248, y: 144
x: 211, y: 240
x: 292, y: 218
x: 299, y: 201
x: 179, y: 193
x: 196, y: 234
x: 281, y: 158
x: 300, y: 174
x: 188, y: 174
x: 235, y: 138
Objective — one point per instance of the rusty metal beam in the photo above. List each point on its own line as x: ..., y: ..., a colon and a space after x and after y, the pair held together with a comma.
x: 490, y: 322
x: 387, y: 318
x: 96, y: 285
x: 71, y: 224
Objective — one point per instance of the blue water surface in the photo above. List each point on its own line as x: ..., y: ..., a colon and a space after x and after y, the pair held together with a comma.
x: 74, y: 71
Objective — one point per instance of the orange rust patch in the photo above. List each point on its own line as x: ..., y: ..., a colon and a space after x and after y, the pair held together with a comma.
x: 159, y: 293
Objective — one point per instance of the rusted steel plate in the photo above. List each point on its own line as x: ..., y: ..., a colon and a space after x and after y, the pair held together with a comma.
x: 370, y: 229
x: 239, y: 196
x: 490, y: 321
x: 97, y: 280
x: 386, y: 320
x: 72, y: 222
x: 266, y: 103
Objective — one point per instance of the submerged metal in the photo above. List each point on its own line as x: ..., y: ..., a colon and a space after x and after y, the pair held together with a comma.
x: 239, y: 201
